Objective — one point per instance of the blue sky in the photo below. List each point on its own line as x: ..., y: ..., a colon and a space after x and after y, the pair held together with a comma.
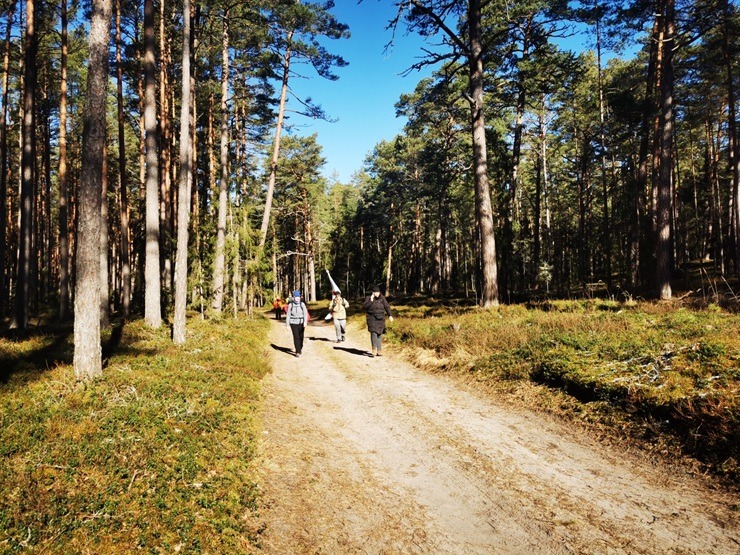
x: 363, y: 97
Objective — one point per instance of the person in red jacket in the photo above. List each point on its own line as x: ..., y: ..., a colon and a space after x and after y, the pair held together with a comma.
x: 277, y: 306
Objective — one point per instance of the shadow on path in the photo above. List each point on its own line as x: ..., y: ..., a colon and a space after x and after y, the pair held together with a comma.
x: 353, y: 351
x: 317, y: 339
x: 286, y: 350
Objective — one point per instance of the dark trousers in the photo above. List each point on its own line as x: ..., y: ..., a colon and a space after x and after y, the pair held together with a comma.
x: 298, y: 331
x: 376, y: 340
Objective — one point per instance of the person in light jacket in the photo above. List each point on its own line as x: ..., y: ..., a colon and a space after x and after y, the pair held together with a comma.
x: 377, y: 308
x: 338, y: 310
x: 296, y: 319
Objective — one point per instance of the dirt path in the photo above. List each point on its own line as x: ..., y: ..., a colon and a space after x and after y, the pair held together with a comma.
x: 369, y: 455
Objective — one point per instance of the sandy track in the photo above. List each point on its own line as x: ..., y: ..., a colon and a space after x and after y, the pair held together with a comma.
x: 364, y: 455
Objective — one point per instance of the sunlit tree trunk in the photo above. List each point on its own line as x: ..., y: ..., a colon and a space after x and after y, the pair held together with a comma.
x: 484, y: 211
x: 473, y: 49
x: 210, y: 141
x: 46, y: 238
x: 511, y: 206
x: 104, y: 243
x: 310, y: 254
x: 125, y: 253
x: 537, y: 216
x: 152, y: 297
x: 139, y: 255
x: 276, y: 284
x: 4, y: 282
x: 664, y: 207
x: 438, y: 277
x: 417, y: 251
x: 63, y: 192
x: 716, y: 244
x: 733, y: 135
x: 87, y: 352
x: 23, y: 279
x: 641, y: 180
x: 276, y: 144
x: 606, y: 230
x: 122, y: 180
x: 219, y: 265
x: 195, y: 207
x: 656, y: 121
x: 166, y: 204
x: 183, y: 199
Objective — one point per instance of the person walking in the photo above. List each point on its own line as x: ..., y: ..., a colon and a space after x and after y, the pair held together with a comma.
x: 377, y: 308
x: 338, y: 310
x: 296, y: 319
x: 277, y: 306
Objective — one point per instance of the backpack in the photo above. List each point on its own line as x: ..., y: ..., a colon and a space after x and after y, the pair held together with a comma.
x: 307, y: 314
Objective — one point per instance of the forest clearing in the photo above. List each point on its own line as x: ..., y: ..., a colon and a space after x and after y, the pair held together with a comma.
x: 231, y: 444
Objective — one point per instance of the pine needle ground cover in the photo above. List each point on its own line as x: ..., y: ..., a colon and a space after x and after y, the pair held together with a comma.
x: 657, y: 372
x: 154, y: 457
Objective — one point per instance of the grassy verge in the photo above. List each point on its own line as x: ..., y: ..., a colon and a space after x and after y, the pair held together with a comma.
x: 153, y: 457
x: 660, y: 372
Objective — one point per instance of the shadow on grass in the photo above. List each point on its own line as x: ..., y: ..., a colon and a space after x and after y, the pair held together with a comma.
x: 111, y: 346
x: 57, y: 350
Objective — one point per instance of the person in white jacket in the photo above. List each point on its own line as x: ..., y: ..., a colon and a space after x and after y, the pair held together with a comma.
x: 338, y: 309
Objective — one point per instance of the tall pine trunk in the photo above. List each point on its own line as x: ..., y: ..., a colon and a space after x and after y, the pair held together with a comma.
x: 183, y: 199
x: 4, y: 282
x: 511, y: 206
x: 64, y: 261
x: 483, y: 209
x: 166, y: 193
x: 641, y: 180
x: 219, y: 265
x: 152, y: 296
x: 276, y: 145
x: 23, y: 276
x: 104, y: 244
x: 733, y: 136
x: 664, y: 200
x: 310, y: 254
x: 122, y: 179
x: 87, y: 353
x: 606, y: 231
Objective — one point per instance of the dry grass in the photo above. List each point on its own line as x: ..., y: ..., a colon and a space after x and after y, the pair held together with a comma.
x: 660, y: 370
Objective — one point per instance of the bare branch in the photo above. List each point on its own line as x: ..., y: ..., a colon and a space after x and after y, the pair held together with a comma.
x: 442, y: 25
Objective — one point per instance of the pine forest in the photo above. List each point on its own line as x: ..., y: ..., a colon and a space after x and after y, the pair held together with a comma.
x: 152, y: 161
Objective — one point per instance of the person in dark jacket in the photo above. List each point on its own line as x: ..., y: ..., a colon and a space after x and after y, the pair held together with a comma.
x: 377, y: 308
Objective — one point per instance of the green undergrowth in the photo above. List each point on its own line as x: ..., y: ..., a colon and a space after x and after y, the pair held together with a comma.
x: 659, y: 370
x: 156, y: 456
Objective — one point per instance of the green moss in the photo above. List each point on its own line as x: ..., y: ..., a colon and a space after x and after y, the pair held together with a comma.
x: 139, y: 458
